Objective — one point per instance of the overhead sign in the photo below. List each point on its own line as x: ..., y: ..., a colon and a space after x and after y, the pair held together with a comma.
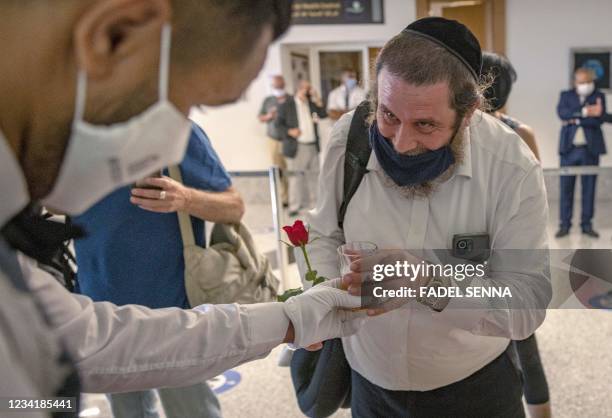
x: 337, y: 12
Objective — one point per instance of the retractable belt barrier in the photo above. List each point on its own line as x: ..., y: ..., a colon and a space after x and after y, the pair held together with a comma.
x: 580, y: 170
x: 278, y: 215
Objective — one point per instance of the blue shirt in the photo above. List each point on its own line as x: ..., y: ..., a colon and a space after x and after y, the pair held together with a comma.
x: 131, y: 255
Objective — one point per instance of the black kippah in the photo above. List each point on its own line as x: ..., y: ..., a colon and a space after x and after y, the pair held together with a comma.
x: 455, y: 37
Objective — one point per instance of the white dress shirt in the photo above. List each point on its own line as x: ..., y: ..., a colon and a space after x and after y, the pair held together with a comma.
x: 116, y: 349
x: 305, y: 122
x: 498, y: 189
x: 579, y: 137
x: 337, y: 98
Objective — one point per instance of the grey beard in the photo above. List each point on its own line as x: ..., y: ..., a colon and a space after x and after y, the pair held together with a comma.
x: 429, y: 187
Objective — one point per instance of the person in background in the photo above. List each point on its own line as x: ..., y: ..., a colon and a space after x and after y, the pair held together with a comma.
x: 581, y: 110
x: 346, y: 96
x: 297, y: 122
x: 133, y: 253
x: 267, y: 115
x: 503, y: 76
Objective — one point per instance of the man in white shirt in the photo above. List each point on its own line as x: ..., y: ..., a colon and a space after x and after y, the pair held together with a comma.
x: 68, y: 148
x: 439, y: 168
x: 297, y: 124
x: 346, y: 96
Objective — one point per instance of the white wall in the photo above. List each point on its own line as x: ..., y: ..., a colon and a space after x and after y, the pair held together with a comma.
x: 234, y: 130
x: 539, y: 37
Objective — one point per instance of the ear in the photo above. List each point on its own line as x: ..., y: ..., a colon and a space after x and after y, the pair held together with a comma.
x: 111, y: 31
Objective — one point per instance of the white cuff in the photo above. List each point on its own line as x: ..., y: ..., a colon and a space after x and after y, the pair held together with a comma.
x: 268, y: 323
x: 584, y: 113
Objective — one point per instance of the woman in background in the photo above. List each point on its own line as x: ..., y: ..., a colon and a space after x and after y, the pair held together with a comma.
x: 503, y: 75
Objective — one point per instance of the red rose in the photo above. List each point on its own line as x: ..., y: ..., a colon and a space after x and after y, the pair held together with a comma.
x: 298, y: 234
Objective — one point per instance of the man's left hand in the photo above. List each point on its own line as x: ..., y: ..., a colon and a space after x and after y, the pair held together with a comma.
x: 171, y: 196
x: 361, y: 272
x: 595, y: 110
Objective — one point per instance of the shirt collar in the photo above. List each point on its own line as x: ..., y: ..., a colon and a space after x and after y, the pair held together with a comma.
x: 464, y: 169
x: 13, y: 188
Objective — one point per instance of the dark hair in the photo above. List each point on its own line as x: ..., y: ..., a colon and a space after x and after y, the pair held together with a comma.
x: 225, y: 29
x: 419, y: 61
x: 502, y: 75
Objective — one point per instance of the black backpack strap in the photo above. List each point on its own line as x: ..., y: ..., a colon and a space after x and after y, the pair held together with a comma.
x: 356, y: 158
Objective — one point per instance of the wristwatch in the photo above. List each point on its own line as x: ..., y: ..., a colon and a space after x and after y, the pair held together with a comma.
x: 433, y: 302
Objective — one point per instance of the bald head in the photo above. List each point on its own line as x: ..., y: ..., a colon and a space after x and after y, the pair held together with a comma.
x: 278, y: 82
x: 584, y: 75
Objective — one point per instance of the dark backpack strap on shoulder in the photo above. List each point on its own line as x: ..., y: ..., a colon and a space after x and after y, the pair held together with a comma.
x: 356, y: 158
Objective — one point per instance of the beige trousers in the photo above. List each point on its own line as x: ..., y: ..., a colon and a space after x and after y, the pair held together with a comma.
x: 303, y: 184
x: 278, y: 159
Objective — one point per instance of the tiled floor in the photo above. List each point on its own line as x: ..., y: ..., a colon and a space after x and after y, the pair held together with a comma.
x: 575, y: 345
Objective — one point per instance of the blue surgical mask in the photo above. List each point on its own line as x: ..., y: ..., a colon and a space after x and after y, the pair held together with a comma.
x: 350, y: 83
x: 406, y: 170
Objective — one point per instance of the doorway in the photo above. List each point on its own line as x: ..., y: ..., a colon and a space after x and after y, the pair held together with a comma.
x: 485, y: 18
x: 331, y: 65
x: 300, y: 68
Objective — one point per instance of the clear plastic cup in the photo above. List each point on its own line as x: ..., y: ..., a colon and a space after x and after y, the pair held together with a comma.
x: 352, y: 251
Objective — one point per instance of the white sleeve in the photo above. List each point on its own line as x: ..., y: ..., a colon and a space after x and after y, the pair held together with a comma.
x: 333, y: 99
x: 360, y: 95
x: 130, y: 348
x: 520, y: 260
x: 323, y: 220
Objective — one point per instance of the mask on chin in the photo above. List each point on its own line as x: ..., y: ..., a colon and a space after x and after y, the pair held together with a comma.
x: 409, y: 170
x: 100, y: 159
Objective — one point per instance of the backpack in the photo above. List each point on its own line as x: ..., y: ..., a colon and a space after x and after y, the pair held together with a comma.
x: 230, y: 270
x: 322, y: 379
x: 356, y: 157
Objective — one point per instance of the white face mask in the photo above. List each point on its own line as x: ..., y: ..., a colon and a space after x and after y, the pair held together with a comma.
x: 585, y: 89
x: 278, y: 92
x: 100, y: 159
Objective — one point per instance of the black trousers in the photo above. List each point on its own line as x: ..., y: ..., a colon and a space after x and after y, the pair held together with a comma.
x: 495, y: 391
x: 536, y: 385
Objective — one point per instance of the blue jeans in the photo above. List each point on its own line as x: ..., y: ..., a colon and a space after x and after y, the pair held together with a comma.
x: 192, y: 401
x: 493, y: 391
x: 576, y: 157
